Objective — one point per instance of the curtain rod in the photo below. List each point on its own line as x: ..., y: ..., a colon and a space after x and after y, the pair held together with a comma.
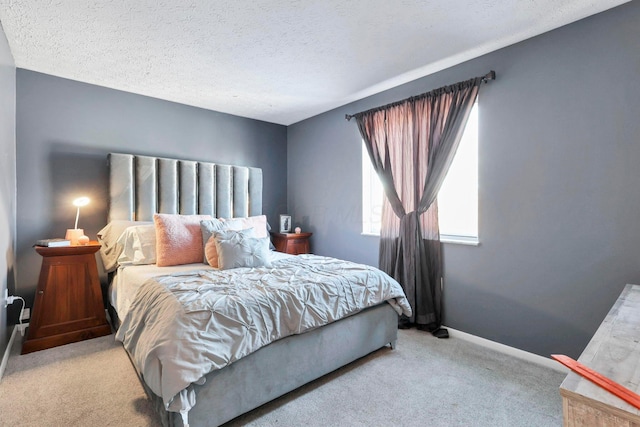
x: 491, y: 75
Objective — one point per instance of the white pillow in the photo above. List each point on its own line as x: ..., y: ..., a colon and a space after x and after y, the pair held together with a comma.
x: 138, y: 245
x: 258, y: 223
x: 108, y: 237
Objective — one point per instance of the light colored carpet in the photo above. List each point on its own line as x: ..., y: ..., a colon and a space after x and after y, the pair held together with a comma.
x: 89, y: 383
x: 425, y: 381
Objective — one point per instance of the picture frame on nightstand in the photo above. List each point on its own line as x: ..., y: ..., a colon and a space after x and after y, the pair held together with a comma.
x: 285, y: 223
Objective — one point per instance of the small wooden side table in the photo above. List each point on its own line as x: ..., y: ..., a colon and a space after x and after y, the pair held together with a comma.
x: 68, y: 305
x: 292, y: 243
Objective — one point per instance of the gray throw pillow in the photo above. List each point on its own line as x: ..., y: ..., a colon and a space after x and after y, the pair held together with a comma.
x: 208, y: 227
x: 237, y: 249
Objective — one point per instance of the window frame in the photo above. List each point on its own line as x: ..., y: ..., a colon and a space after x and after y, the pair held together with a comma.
x: 368, y: 193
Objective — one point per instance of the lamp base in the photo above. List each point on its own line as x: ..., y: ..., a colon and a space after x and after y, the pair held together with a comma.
x: 74, y: 235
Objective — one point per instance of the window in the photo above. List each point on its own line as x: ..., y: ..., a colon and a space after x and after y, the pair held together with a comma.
x: 457, y: 199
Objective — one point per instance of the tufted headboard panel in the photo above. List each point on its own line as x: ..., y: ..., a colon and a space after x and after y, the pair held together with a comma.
x: 140, y: 186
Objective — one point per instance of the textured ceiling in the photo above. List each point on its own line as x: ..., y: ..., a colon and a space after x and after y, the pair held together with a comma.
x: 279, y: 61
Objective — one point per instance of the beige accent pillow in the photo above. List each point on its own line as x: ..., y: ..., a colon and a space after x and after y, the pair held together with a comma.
x: 178, y: 239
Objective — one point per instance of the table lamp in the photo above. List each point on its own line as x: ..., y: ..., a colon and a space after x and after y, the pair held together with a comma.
x: 76, y: 235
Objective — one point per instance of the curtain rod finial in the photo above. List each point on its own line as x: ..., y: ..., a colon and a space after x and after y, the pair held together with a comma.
x: 347, y: 117
x: 491, y: 75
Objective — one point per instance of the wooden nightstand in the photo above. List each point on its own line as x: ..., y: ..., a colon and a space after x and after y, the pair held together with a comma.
x: 68, y: 304
x: 291, y: 243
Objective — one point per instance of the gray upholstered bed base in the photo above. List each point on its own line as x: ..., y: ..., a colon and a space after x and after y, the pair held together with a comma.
x: 285, y: 365
x: 282, y: 366
x: 141, y: 186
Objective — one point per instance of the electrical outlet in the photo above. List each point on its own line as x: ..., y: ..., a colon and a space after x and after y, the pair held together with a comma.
x: 26, y: 314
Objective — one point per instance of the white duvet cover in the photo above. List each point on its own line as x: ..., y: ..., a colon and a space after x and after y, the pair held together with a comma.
x: 129, y: 278
x: 181, y: 326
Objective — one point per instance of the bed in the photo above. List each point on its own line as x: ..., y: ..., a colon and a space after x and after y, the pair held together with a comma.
x: 311, y: 314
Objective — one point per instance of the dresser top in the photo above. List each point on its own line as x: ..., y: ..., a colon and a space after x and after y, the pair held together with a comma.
x: 614, y: 351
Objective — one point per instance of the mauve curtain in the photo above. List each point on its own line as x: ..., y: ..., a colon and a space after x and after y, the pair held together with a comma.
x: 412, y: 144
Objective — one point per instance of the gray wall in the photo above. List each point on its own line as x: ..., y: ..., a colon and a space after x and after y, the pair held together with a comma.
x: 65, y: 130
x: 7, y: 181
x: 559, y: 198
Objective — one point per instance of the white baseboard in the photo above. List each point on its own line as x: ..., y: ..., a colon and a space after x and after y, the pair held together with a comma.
x: 511, y: 351
x: 7, y: 351
x: 454, y: 333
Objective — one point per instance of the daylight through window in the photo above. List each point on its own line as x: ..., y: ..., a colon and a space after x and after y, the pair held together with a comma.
x: 457, y: 199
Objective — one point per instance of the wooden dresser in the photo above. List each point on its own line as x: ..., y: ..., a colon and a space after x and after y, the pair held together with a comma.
x: 614, y: 351
x: 292, y: 243
x: 68, y: 305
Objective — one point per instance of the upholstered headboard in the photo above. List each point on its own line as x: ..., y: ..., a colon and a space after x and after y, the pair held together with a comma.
x: 140, y: 186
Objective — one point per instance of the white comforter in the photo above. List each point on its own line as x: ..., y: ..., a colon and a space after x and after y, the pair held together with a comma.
x: 185, y: 325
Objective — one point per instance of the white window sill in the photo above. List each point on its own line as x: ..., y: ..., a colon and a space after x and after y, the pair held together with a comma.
x: 460, y: 240
x: 456, y: 240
